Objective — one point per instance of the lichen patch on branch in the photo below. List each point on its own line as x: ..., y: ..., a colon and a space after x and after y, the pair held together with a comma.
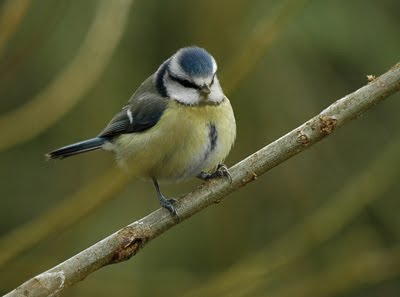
x: 302, y: 138
x: 327, y: 124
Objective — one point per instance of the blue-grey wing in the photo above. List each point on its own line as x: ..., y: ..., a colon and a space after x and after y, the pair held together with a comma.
x: 142, y: 112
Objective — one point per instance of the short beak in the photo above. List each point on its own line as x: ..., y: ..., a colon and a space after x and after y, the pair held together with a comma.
x: 205, y: 90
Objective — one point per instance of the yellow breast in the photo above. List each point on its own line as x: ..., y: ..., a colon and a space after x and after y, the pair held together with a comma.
x: 185, y: 141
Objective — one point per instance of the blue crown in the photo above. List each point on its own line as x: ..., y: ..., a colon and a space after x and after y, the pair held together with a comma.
x: 196, y: 61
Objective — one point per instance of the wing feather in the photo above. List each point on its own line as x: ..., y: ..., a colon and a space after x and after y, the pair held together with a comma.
x: 142, y: 112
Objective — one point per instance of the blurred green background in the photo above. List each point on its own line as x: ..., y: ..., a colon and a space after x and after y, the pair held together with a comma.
x: 324, y: 223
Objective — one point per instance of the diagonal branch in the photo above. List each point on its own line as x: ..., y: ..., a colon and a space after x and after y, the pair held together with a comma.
x: 317, y: 227
x: 129, y: 240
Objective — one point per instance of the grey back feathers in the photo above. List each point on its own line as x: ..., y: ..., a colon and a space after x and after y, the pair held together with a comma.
x: 142, y: 112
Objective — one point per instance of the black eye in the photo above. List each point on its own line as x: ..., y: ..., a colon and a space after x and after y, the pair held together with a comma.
x: 184, y: 82
x: 212, y: 81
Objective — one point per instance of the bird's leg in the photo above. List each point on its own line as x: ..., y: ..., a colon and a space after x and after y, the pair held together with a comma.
x: 222, y: 171
x: 167, y: 203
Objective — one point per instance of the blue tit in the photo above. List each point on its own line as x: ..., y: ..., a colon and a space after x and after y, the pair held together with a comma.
x: 178, y: 124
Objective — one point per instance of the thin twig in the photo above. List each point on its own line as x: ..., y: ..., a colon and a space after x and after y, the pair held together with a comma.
x: 126, y: 242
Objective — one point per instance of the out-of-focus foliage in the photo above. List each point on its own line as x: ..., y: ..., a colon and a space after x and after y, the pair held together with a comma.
x: 324, y: 223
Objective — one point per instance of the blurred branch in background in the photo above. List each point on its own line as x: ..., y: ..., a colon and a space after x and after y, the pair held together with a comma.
x: 359, y: 270
x: 263, y: 35
x: 57, y: 223
x: 318, y: 227
x: 78, y: 77
x: 129, y: 240
x: 62, y: 215
x: 12, y: 13
x: 35, y: 41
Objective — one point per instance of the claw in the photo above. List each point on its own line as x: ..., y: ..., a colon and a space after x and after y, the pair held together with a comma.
x: 222, y: 171
x: 168, y: 203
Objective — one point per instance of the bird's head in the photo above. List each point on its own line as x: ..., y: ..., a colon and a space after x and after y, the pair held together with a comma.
x: 190, y: 77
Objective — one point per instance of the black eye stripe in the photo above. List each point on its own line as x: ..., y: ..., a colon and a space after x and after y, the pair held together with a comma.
x: 184, y: 82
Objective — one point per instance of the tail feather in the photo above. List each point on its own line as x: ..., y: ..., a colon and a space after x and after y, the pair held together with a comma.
x: 77, y: 148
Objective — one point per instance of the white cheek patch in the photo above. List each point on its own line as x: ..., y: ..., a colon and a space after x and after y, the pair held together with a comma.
x: 181, y: 94
x: 191, y: 96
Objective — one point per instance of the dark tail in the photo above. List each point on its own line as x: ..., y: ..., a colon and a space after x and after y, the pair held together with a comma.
x: 77, y: 148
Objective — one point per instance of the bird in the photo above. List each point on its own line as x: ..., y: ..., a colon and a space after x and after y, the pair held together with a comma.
x: 177, y: 125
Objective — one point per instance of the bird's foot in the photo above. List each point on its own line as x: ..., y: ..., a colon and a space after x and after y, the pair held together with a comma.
x: 168, y: 203
x: 222, y: 171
